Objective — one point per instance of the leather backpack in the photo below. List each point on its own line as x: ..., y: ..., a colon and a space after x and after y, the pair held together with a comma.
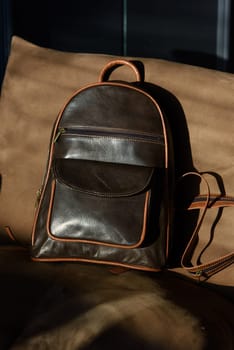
x: 107, y: 196
x: 107, y: 193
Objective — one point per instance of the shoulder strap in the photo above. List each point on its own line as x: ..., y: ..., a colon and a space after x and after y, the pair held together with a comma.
x: 203, y: 202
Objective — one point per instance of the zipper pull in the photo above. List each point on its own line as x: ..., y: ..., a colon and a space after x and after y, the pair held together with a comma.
x: 59, y: 133
x: 38, y: 197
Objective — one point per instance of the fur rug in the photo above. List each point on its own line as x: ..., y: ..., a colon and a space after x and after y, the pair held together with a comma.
x: 135, y: 315
x: 80, y: 306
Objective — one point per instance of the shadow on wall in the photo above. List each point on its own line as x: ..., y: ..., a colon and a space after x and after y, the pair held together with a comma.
x: 202, y: 59
x: 97, y: 27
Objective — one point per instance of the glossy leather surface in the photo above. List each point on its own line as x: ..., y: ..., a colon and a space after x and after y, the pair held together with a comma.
x: 105, y: 194
x: 122, y: 150
x: 103, y: 179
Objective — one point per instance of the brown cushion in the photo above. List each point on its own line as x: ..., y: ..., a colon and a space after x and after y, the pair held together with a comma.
x: 37, y: 83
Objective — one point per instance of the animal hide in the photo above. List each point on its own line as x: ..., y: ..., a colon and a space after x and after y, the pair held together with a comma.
x: 129, y: 311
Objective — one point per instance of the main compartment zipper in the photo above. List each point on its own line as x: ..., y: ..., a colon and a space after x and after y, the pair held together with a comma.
x: 109, y: 133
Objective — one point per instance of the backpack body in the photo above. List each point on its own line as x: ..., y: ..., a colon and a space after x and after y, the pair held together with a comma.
x: 107, y: 192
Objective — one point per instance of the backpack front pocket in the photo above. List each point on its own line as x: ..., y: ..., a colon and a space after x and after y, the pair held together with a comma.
x: 104, y: 206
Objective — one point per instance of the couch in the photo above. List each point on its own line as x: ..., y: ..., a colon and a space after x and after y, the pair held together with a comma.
x: 84, y: 306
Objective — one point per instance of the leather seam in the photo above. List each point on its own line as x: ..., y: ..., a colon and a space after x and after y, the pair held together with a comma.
x: 101, y: 262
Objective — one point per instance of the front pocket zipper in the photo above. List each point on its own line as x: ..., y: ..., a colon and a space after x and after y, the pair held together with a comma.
x: 117, y: 133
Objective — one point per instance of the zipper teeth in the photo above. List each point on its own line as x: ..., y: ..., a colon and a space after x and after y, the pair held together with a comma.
x: 94, y: 132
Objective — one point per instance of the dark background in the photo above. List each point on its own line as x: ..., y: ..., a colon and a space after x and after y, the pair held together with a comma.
x: 197, y: 32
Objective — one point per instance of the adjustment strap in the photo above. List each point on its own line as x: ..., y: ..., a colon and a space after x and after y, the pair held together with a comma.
x: 204, y: 202
x: 216, y: 201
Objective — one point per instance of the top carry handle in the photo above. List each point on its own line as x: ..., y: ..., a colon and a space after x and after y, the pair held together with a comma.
x: 111, y: 66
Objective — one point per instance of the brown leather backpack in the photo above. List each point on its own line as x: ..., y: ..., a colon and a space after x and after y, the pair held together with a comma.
x: 108, y: 191
x: 107, y: 195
